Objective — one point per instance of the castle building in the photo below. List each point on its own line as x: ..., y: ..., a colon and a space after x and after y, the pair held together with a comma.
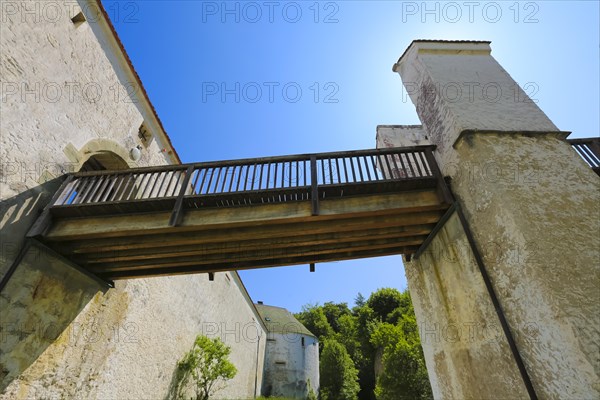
x: 292, y: 355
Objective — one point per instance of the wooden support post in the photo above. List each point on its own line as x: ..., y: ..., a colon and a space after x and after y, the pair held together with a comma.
x: 314, y: 185
x: 177, y: 214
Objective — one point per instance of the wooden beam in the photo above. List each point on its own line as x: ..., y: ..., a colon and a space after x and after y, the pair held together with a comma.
x: 237, y: 217
x: 411, y: 223
x: 258, y: 255
x: 192, y: 269
x: 233, y: 247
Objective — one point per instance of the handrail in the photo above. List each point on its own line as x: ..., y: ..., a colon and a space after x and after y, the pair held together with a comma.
x: 242, y: 161
x: 253, y: 174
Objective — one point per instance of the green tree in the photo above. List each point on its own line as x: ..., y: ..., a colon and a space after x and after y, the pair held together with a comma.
x: 314, y: 319
x: 333, y: 312
x: 384, y: 302
x: 359, y: 300
x: 205, y: 368
x: 403, y: 375
x: 339, y: 377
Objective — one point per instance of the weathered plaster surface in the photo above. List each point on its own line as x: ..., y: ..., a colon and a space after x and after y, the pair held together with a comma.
x: 466, y: 353
x: 534, y: 208
x: 64, y: 99
x: 289, y: 365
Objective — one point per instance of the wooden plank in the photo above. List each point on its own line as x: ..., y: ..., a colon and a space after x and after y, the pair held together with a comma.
x: 193, y: 269
x: 254, y: 256
x: 152, y: 223
x: 412, y: 223
x: 230, y: 249
x: 285, y: 231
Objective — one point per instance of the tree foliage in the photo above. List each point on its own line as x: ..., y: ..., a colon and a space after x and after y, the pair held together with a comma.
x: 204, y: 369
x: 380, y: 330
x: 339, y: 377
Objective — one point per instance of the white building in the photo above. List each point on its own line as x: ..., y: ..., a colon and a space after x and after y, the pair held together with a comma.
x: 291, y: 357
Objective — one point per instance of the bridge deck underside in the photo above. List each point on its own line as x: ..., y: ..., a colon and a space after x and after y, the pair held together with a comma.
x: 117, y: 243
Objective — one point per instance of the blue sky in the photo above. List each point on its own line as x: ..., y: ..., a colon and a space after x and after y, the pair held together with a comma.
x: 247, y: 79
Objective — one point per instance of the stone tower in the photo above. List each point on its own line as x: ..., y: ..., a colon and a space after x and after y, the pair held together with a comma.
x: 507, y: 292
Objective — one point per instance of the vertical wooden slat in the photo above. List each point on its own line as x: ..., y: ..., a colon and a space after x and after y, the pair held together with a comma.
x: 94, y: 188
x: 133, y: 179
x: 158, y: 175
x: 393, y: 156
x: 122, y: 180
x: 413, y: 174
x: 143, y: 191
x: 352, y: 168
x: 253, y: 176
x: 367, y: 167
x: 260, y: 177
x: 337, y: 167
x: 177, y: 173
x: 224, y: 179
x: 425, y: 164
x: 405, y: 173
x: 417, y: 166
x: 73, y: 185
x: 217, y: 180
x: 374, y: 166
x: 304, y: 165
x: 99, y: 193
x: 360, y: 173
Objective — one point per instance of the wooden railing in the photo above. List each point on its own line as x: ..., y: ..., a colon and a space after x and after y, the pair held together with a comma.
x: 245, y: 182
x: 589, y: 150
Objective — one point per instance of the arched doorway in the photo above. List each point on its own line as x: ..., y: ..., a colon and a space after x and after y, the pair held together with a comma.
x: 104, y: 160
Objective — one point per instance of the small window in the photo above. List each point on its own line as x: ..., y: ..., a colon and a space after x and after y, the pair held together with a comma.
x: 279, y: 362
x: 78, y: 19
x: 302, y: 341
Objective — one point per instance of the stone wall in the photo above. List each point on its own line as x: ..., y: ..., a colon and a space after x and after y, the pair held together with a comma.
x: 533, y: 206
x: 68, y: 94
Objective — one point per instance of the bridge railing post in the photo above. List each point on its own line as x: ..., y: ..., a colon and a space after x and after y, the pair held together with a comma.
x: 314, y: 185
x: 177, y: 213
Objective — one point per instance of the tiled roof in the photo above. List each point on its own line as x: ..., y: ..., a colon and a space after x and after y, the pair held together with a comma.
x: 280, y: 320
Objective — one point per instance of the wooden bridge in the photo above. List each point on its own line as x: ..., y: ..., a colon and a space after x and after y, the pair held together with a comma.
x: 250, y: 213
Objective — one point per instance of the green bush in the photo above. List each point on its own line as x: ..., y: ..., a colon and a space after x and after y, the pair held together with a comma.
x: 204, y: 369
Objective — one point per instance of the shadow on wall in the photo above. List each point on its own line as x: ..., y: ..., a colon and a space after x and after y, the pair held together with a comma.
x: 43, y: 294
x: 17, y: 214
